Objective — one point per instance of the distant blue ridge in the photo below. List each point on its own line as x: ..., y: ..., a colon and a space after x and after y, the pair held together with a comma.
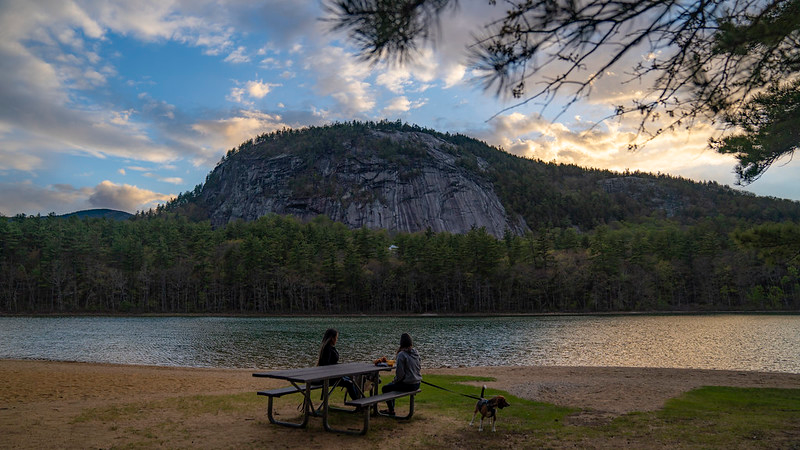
x: 99, y: 213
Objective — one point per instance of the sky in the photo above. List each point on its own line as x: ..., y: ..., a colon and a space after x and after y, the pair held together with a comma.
x: 125, y: 104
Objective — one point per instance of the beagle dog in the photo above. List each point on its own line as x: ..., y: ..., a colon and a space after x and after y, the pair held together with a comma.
x: 488, y: 408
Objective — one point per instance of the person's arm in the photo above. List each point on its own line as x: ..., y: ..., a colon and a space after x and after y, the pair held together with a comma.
x: 400, y: 367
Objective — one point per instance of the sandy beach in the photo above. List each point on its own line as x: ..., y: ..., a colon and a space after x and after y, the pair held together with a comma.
x: 87, y: 405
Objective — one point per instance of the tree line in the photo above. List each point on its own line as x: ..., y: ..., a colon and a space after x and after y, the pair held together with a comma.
x: 166, y: 263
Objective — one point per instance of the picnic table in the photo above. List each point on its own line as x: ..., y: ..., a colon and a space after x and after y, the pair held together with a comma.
x: 305, y: 380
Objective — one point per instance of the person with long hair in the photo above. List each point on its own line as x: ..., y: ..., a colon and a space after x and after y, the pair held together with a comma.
x: 407, y: 375
x: 328, y: 355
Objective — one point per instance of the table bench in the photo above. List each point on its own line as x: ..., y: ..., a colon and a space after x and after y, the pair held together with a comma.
x: 366, y: 402
x: 280, y: 392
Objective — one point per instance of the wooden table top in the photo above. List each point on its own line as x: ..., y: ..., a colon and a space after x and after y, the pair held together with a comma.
x: 319, y: 373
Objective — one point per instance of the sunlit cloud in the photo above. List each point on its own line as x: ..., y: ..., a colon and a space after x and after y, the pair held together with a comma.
x: 124, y: 197
x: 227, y: 133
x: 259, y: 89
x: 402, y: 104
x: 343, y: 78
x: 251, y: 90
x: 606, y: 146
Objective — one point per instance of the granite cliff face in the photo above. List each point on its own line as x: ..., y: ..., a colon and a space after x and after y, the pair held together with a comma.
x: 399, y: 181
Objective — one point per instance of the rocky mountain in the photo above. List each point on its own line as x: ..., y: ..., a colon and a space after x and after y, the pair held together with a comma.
x: 404, y: 178
x: 417, y: 185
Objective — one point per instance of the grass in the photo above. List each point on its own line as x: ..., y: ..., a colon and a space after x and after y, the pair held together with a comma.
x: 708, y: 417
x: 718, y: 417
x: 523, y: 415
x: 185, y: 406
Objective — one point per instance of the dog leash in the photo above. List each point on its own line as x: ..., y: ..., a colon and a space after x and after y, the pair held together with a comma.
x: 454, y: 392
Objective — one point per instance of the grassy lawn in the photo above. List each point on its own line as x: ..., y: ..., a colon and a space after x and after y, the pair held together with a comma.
x: 709, y: 417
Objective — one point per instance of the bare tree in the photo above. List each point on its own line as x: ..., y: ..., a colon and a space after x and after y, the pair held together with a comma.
x: 717, y: 61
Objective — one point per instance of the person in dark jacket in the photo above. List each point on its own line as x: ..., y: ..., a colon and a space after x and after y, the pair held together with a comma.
x: 328, y: 355
x: 407, y: 373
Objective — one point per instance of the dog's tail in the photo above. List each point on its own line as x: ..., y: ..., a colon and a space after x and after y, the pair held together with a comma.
x: 482, y: 390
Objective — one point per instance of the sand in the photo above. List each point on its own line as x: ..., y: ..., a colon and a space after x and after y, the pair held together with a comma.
x: 87, y: 405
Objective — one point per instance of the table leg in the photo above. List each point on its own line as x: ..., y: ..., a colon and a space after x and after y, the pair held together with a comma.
x: 306, y: 410
x: 375, y: 392
x: 307, y: 405
x: 325, y: 396
x: 325, y: 409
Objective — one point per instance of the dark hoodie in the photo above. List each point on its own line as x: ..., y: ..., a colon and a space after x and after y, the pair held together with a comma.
x: 408, y: 368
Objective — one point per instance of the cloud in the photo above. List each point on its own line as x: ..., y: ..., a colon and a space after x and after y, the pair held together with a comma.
x: 52, y: 65
x: 259, y: 89
x: 288, y: 21
x: 230, y: 132
x: 237, y: 56
x: 340, y: 76
x: 395, y: 80
x: 38, y: 95
x: 124, y: 197
x: 16, y: 154
x: 402, y: 104
x: 171, y: 180
x: 153, y: 108
x: 236, y: 95
x: 605, y: 146
x: 398, y: 104
x: 252, y: 89
x: 442, y: 60
x: 454, y: 74
x: 28, y: 198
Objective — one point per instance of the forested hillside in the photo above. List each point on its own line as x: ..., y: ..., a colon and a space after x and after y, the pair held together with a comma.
x: 168, y: 264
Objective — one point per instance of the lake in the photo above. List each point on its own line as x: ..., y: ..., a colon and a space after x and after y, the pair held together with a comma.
x: 768, y: 343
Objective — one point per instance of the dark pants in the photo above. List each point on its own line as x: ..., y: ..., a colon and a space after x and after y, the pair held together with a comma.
x: 398, y: 387
x: 344, y: 382
x: 348, y: 384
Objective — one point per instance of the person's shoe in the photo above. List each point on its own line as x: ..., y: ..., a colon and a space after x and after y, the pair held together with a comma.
x: 387, y: 412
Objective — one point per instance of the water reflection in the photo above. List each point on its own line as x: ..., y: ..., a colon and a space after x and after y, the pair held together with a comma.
x: 737, y: 342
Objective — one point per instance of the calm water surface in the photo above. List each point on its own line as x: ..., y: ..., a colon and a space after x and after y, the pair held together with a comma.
x: 736, y: 342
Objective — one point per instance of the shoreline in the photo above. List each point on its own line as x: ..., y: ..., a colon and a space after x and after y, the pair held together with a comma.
x: 438, y: 369
x: 417, y: 315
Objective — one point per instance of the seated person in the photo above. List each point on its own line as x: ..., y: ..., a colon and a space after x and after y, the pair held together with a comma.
x: 328, y: 355
x: 407, y: 375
